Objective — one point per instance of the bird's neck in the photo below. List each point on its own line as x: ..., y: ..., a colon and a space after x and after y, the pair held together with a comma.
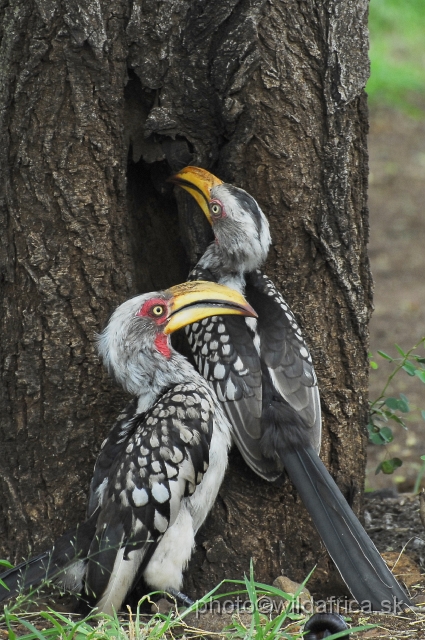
x: 167, y: 373
x: 229, y: 269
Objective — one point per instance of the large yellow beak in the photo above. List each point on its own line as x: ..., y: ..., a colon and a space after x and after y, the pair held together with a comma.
x: 198, y: 182
x: 194, y: 301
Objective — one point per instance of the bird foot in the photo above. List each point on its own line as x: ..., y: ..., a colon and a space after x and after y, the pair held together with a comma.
x: 180, y: 597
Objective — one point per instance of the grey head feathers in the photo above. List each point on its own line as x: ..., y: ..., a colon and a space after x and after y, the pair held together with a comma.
x: 243, y: 235
x: 128, y: 349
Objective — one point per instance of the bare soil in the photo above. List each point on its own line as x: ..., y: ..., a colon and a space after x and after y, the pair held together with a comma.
x: 397, y: 254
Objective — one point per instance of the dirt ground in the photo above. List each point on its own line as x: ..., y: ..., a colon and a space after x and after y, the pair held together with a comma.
x: 397, y: 253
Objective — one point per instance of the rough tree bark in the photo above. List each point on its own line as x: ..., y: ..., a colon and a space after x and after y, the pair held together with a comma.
x: 100, y: 101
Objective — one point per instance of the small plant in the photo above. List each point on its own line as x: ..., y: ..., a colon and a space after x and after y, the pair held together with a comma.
x: 6, y: 565
x: 260, y: 625
x: 265, y: 626
x: 388, y: 408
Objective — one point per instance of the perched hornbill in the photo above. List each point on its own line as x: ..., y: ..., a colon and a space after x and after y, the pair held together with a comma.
x: 262, y: 372
x: 160, y: 468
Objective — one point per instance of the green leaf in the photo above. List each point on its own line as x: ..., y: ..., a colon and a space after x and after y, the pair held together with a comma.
x: 375, y: 438
x: 379, y: 436
x: 372, y: 428
x: 373, y: 364
x: 393, y: 416
x: 409, y: 368
x: 389, y: 466
x: 400, y: 350
x: 6, y: 564
x: 392, y: 403
x: 36, y: 633
x: 420, y: 373
x: 400, y: 421
x: 386, y: 434
x: 385, y: 355
x: 405, y: 402
x: 398, y: 404
x: 422, y: 457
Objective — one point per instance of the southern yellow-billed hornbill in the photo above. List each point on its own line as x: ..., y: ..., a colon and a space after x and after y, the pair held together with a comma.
x: 160, y: 468
x: 262, y: 372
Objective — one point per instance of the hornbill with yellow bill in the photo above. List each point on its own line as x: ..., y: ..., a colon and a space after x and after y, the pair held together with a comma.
x: 262, y: 372
x: 159, y: 470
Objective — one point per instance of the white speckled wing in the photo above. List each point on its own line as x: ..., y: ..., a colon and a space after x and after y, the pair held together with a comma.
x: 162, y: 460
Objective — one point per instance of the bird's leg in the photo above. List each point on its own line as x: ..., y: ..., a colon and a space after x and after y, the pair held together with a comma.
x: 180, y: 597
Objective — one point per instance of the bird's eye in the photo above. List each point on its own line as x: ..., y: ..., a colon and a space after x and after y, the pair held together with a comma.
x: 216, y: 209
x: 158, y: 310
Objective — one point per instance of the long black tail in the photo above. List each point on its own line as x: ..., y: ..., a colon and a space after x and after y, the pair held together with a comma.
x: 356, y: 557
x: 25, y: 575
x: 53, y: 565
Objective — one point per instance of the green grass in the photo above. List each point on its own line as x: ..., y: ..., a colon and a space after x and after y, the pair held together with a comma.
x: 397, y: 53
x: 251, y: 622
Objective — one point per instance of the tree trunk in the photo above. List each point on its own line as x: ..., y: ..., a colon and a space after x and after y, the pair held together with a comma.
x: 100, y: 102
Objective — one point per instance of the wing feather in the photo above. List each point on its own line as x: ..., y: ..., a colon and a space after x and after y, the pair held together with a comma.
x: 230, y: 351
x: 111, y: 447
x: 225, y: 353
x: 162, y: 461
x: 285, y: 352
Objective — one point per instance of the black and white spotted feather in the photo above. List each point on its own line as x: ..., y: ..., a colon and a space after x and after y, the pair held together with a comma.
x: 111, y: 447
x: 231, y: 353
x: 163, y: 458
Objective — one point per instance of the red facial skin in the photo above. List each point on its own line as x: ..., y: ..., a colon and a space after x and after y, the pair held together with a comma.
x: 162, y: 344
x: 161, y: 340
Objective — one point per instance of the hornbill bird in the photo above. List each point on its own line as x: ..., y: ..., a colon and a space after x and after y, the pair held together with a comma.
x: 262, y: 372
x: 160, y: 468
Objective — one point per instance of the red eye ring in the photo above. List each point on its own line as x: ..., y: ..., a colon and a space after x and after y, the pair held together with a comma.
x: 157, y: 311
x: 154, y: 308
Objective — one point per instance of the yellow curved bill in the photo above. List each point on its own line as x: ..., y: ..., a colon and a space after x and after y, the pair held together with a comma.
x: 194, y: 301
x: 198, y: 182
